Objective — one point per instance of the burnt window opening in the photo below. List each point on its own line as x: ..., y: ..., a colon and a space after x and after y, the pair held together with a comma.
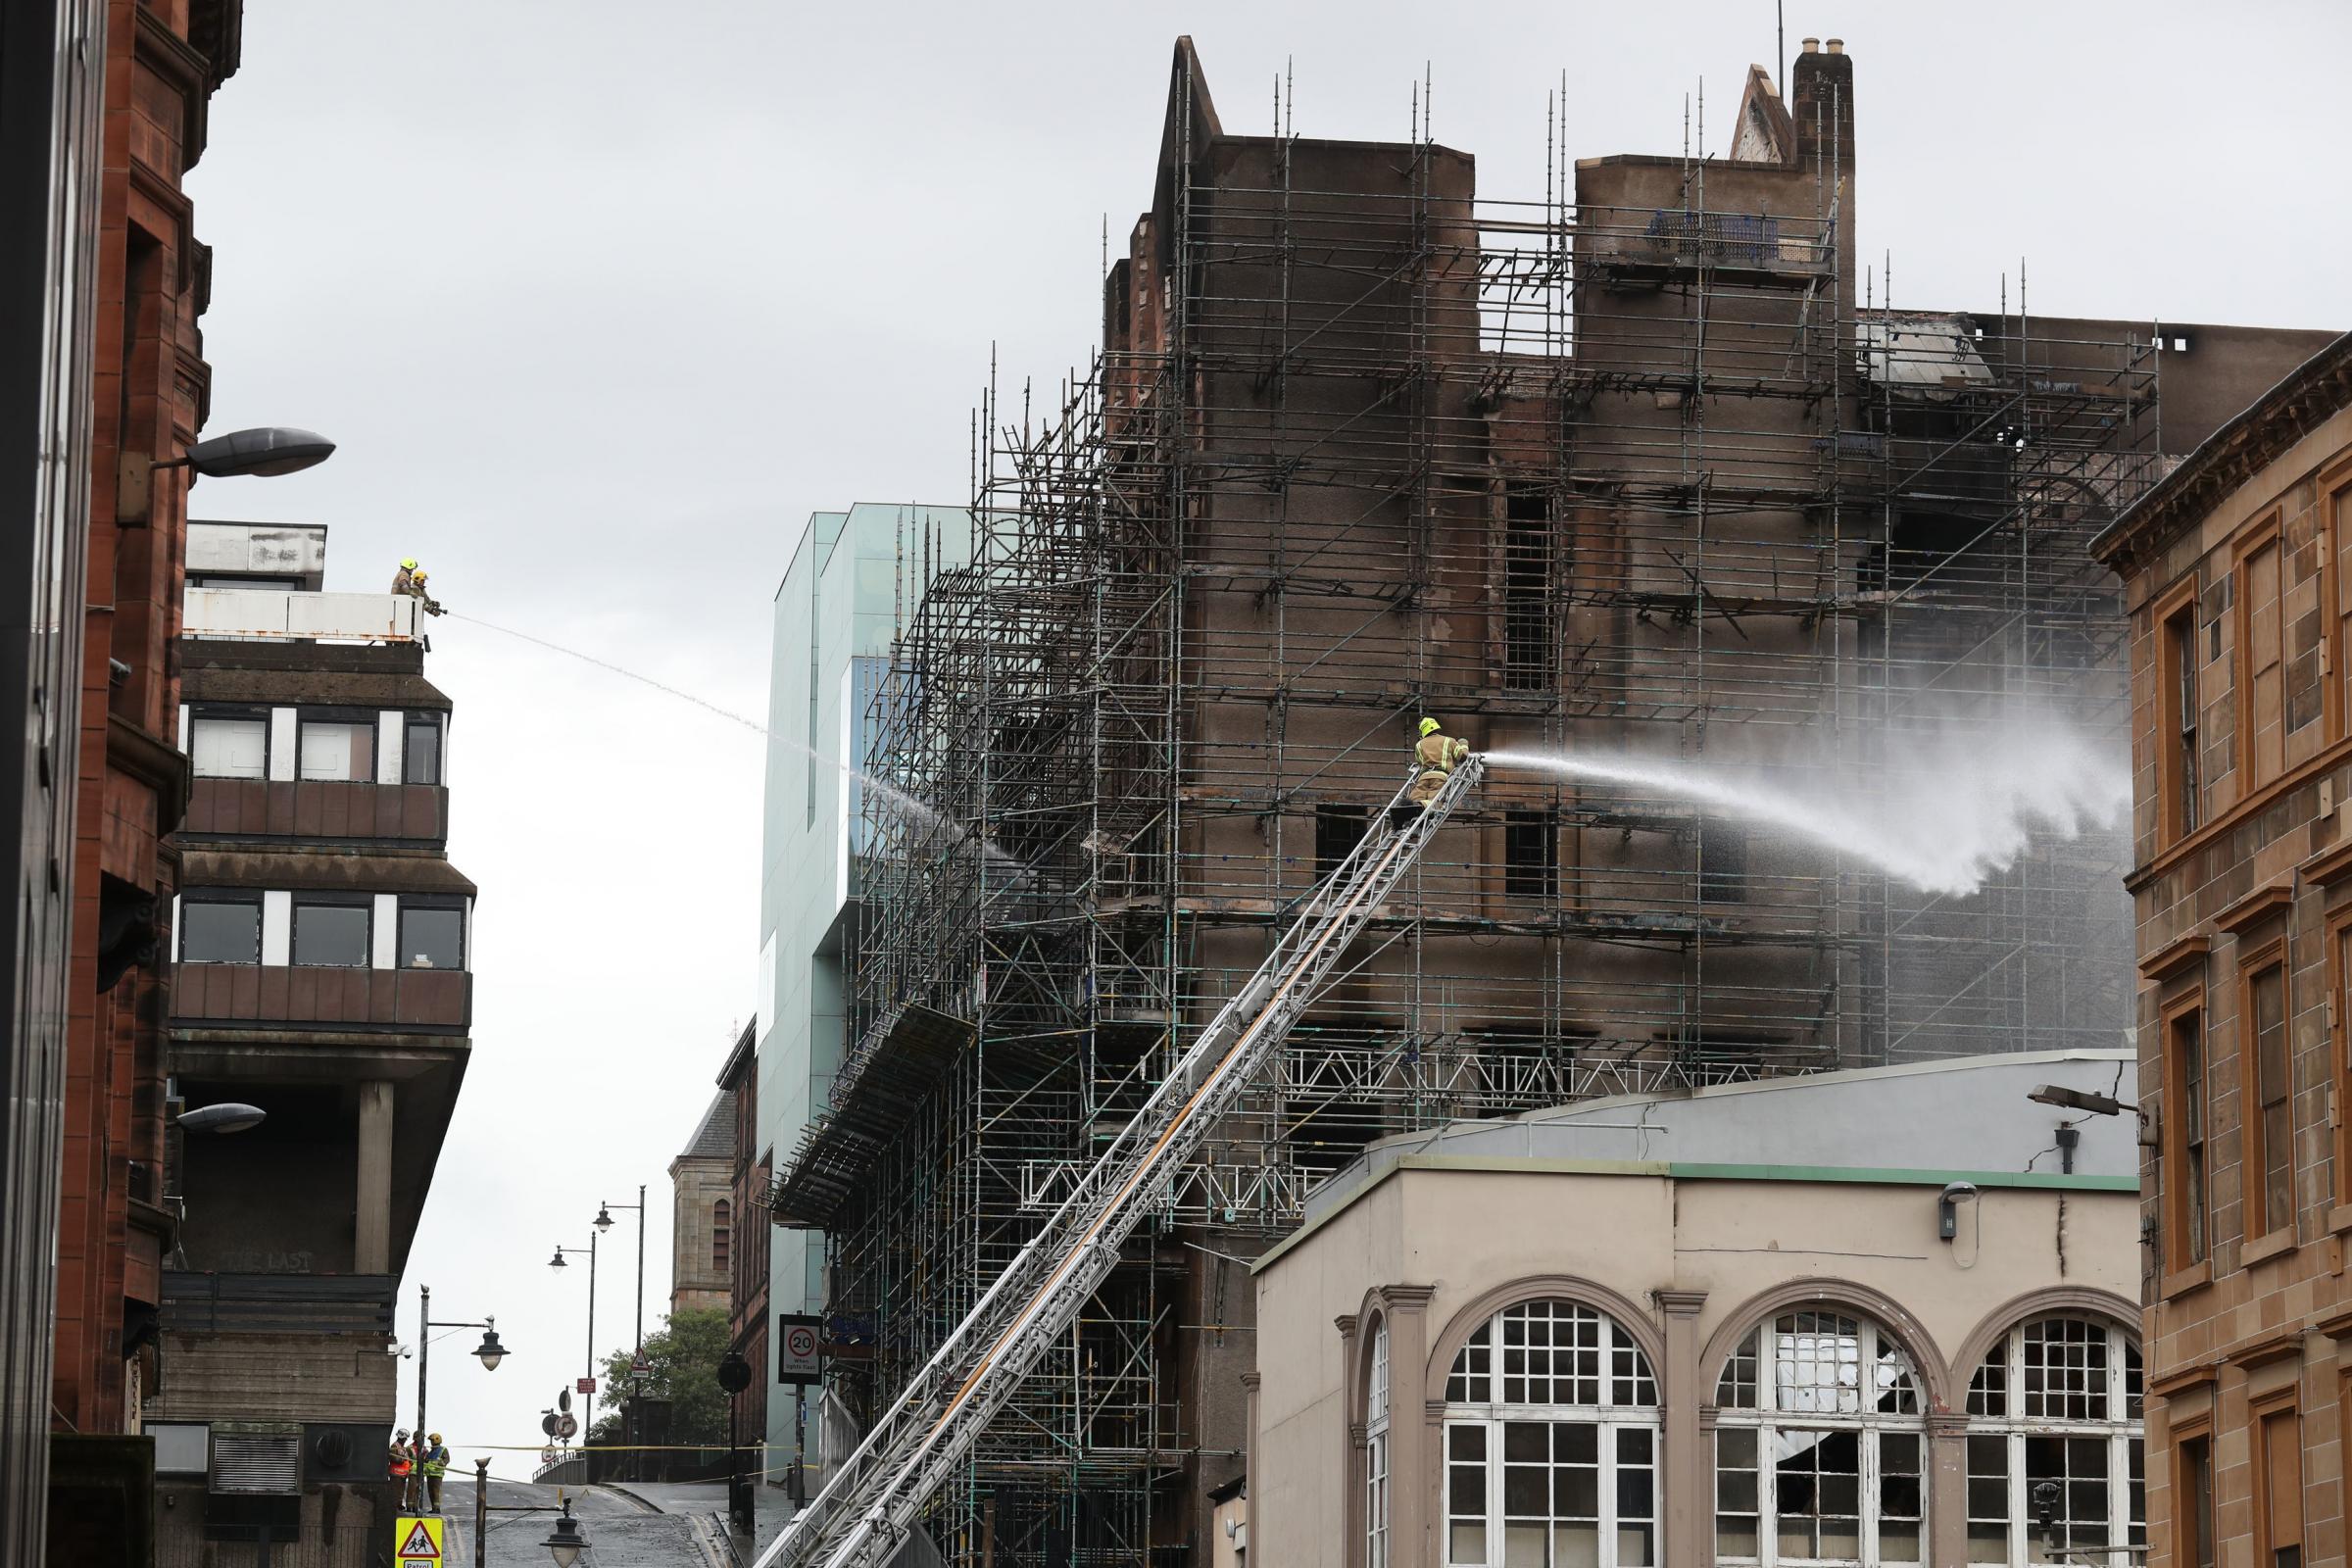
x: 1722, y: 863
x: 1332, y: 1104
x: 1339, y: 829
x: 1526, y: 663
x: 1531, y: 854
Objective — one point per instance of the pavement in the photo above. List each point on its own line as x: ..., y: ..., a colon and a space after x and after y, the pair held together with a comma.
x: 650, y: 1526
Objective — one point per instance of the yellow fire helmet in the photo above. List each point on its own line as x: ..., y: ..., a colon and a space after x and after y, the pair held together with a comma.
x: 408, y: 564
x: 1429, y: 726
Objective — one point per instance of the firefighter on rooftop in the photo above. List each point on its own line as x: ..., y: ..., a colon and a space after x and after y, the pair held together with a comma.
x: 1437, y: 755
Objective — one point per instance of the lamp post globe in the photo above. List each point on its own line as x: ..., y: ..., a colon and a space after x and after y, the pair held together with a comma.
x: 603, y: 1218
x: 490, y: 1351
x: 558, y: 1260
x: 564, y: 1543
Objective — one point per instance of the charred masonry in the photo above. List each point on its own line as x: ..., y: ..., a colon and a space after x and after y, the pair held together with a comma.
x: 1647, y: 460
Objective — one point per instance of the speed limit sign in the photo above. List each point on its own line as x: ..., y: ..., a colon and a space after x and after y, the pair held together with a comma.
x: 797, y: 1348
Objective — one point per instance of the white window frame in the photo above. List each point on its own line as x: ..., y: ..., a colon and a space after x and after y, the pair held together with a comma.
x: 1770, y: 1422
x: 199, y: 717
x: 1622, y: 1369
x: 2124, y: 1433
x: 1376, y: 1452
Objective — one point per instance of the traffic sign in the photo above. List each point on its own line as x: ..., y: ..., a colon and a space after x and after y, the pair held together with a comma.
x: 547, y: 1423
x: 641, y: 1367
x: 420, y: 1538
x: 568, y: 1425
x: 799, y: 1345
x: 586, y: 1386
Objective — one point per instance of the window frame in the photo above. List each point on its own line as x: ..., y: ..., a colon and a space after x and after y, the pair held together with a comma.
x: 239, y: 712
x: 1764, y: 1417
x: 1536, y: 877
x: 1621, y: 1364
x: 410, y: 722
x: 249, y: 898
x: 2283, y: 1405
x: 2333, y: 493
x: 2123, y: 1431
x: 1378, y: 1483
x: 453, y: 902
x: 2256, y: 1221
x: 2185, y: 1185
x: 2338, y: 955
x: 368, y: 719
x: 2194, y: 1439
x: 2177, y: 668
x: 303, y: 898
x: 2263, y: 536
x: 722, y: 1236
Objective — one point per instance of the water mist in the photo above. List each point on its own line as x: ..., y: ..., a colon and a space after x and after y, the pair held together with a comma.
x: 1942, y: 808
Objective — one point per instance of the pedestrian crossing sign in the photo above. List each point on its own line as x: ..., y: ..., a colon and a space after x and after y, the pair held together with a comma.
x: 420, y: 1541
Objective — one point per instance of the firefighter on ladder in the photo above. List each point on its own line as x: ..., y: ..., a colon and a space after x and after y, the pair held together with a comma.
x: 1435, y: 757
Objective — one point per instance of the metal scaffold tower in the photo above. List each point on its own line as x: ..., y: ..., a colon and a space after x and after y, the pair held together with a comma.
x: 1629, y: 468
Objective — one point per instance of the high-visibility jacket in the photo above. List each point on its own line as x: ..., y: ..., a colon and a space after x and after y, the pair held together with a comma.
x: 1440, y: 753
x: 436, y: 1460
x: 399, y: 1465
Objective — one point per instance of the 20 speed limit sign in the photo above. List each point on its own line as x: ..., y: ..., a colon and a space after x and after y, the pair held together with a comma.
x: 799, y: 1341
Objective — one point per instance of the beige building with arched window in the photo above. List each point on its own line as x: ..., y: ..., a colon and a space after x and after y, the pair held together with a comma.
x: 1864, y: 1319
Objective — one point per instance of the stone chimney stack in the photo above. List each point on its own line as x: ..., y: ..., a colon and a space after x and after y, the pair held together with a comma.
x: 1821, y: 101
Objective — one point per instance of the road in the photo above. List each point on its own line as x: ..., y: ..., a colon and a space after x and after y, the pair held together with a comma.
x: 622, y: 1531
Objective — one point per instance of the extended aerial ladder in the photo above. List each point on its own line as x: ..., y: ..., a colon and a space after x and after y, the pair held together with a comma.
x: 870, y: 1500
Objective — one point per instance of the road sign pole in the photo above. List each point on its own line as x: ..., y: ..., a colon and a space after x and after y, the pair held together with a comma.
x: 481, y: 1513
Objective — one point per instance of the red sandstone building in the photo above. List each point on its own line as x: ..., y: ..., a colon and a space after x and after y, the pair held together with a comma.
x: 2237, y: 570
x: 150, y: 386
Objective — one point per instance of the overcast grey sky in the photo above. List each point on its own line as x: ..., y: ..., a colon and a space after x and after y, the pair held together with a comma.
x: 603, y: 299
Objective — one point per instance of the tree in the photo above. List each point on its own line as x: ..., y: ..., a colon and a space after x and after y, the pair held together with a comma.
x: 683, y: 1358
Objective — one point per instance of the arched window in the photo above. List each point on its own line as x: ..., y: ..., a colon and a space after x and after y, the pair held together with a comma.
x: 1376, y: 1452
x: 1551, y: 1444
x: 722, y: 1216
x: 2055, y: 1446
x: 1820, y: 1448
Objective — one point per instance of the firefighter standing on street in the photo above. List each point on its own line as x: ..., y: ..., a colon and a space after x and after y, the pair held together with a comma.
x: 400, y: 1465
x: 434, y: 1460
x: 1436, y: 755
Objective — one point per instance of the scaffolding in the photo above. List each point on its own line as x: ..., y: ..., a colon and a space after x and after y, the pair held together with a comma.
x: 1629, y: 468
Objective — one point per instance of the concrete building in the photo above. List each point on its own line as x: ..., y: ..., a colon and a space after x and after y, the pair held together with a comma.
x: 704, y: 1235
x: 1870, y: 1317
x: 2238, y: 571
x: 322, y: 972
x: 1631, y: 468
x: 853, y: 579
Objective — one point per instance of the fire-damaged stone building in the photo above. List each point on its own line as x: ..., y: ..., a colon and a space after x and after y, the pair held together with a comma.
x: 320, y: 973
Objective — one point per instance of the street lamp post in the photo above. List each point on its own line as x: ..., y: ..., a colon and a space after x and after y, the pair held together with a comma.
x: 604, y: 1222
x: 489, y: 1352
x: 587, y: 1411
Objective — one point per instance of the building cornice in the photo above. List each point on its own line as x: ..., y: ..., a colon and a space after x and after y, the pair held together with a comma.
x: 2314, y: 391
